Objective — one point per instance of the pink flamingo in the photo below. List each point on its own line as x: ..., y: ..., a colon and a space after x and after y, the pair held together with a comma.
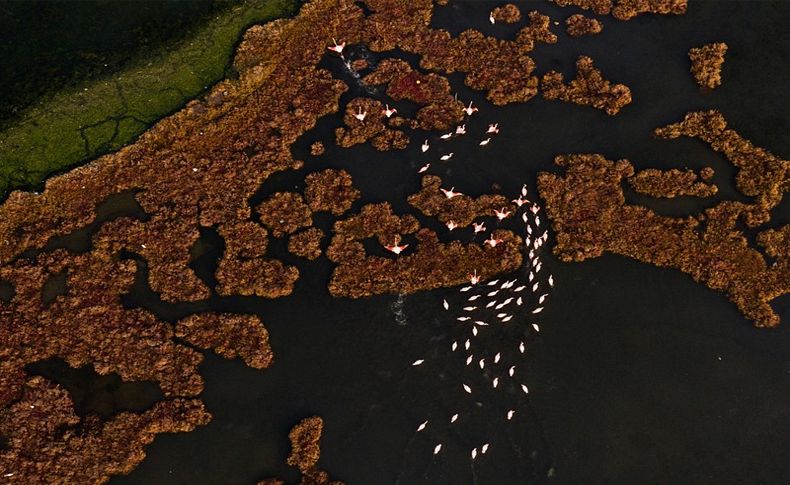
x: 520, y: 201
x: 473, y: 278
x: 389, y: 111
x: 338, y: 48
x: 492, y: 242
x: 396, y: 248
x: 450, y: 193
x: 501, y: 214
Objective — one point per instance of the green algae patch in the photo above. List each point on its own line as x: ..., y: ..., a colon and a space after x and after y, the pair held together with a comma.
x: 77, y: 125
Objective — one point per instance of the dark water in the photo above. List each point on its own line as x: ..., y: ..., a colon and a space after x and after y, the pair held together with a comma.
x: 50, y: 44
x: 639, y: 375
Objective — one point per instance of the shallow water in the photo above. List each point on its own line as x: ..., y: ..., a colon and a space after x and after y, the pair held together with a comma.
x: 639, y: 375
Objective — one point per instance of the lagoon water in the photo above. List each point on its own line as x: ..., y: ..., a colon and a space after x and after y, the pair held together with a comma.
x: 639, y: 375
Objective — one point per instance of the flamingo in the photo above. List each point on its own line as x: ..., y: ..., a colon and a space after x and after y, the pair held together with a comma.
x: 446, y: 136
x: 389, y: 112
x: 473, y: 278
x: 451, y: 225
x: 479, y: 227
x: 485, y: 142
x: 437, y: 449
x: 360, y: 115
x: 470, y: 110
x: 422, y: 426
x: 492, y: 242
x: 450, y: 193
x: 425, y: 146
x: 493, y: 128
x: 491, y: 18
x: 424, y: 168
x: 444, y: 158
x: 460, y: 130
x: 395, y: 248
x: 338, y: 48
x: 535, y: 208
x: 510, y: 414
x: 519, y: 202
x: 418, y: 362
x: 524, y: 190
x: 501, y: 214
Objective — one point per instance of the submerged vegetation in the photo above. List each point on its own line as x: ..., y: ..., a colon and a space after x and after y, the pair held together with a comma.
x: 100, y: 116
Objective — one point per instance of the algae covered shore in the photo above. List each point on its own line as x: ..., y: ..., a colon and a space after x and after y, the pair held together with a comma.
x: 100, y: 113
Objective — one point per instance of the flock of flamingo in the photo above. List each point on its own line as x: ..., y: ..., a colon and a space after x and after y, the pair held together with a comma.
x: 483, y: 335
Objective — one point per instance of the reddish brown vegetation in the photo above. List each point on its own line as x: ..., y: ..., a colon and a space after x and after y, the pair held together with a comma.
x: 317, y: 148
x: 461, y: 209
x: 761, y: 174
x: 672, y: 183
x: 601, y: 7
x: 305, y: 451
x: 199, y: 168
x: 440, y: 109
x: 285, y: 213
x: 41, y: 428
x: 307, y: 243
x: 507, y: 13
x: 587, y: 210
x: 330, y: 190
x: 372, y: 128
x: 706, y: 62
x: 230, y: 336
x: 578, y: 25
x: 627, y: 9
x: 428, y: 264
x: 588, y: 89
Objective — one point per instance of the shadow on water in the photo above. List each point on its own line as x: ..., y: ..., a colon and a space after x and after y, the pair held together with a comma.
x: 94, y: 394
